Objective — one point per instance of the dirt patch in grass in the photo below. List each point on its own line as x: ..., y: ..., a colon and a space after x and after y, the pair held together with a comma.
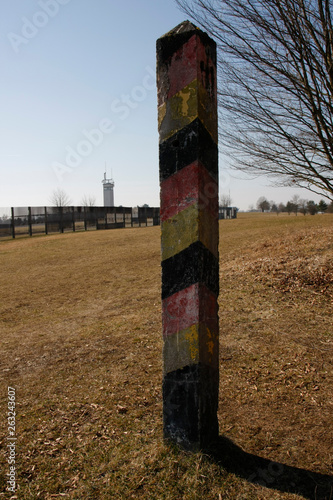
x: 80, y: 340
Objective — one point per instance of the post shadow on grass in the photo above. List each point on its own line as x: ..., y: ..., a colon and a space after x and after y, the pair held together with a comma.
x: 273, y: 475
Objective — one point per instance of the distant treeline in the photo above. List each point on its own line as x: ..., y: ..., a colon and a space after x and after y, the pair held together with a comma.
x: 295, y: 205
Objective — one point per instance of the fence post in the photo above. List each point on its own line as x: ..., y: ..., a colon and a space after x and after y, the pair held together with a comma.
x: 85, y: 218
x: 188, y: 152
x: 45, y: 217
x: 73, y: 218
x: 13, y: 221
x: 61, y: 220
x: 29, y: 221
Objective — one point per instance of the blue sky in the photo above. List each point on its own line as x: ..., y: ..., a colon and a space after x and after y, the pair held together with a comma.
x: 78, y: 91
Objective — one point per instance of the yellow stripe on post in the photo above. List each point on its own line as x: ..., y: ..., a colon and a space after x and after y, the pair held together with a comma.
x: 192, y: 345
x: 192, y: 102
x: 192, y: 224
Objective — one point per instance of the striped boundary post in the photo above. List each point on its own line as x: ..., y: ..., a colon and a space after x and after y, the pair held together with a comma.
x: 188, y: 164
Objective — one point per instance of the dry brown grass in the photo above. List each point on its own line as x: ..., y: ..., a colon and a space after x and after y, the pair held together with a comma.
x: 80, y: 340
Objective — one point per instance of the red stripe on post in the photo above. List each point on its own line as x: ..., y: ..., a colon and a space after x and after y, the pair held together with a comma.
x: 181, y: 310
x: 190, y: 60
x: 192, y: 184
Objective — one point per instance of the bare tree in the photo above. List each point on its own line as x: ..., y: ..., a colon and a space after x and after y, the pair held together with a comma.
x: 303, y: 206
x: 275, y: 63
x: 59, y: 198
x: 295, y: 200
x: 88, y: 201
x: 225, y: 200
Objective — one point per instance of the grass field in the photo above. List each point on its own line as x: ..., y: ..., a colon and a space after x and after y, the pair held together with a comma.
x: 80, y: 338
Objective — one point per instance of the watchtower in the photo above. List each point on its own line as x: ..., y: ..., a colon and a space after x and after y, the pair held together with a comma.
x: 108, y: 195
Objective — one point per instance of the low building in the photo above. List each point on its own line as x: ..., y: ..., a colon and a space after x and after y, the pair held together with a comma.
x: 228, y: 212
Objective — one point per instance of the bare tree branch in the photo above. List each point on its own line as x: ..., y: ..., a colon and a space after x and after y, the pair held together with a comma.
x: 275, y: 63
x: 88, y: 201
x: 59, y: 198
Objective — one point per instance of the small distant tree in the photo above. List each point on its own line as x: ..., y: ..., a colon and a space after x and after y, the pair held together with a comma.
x: 330, y: 208
x: 225, y: 200
x: 282, y: 207
x: 60, y: 198
x: 263, y: 204
x: 322, y: 206
x: 303, y: 206
x: 289, y: 207
x: 274, y: 208
x: 88, y: 201
x: 312, y: 207
x: 295, y: 202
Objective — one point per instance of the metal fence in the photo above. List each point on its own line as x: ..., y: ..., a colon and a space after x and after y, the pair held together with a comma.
x: 27, y: 221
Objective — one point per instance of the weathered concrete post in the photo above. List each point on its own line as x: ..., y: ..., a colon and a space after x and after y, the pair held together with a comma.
x: 187, y: 116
